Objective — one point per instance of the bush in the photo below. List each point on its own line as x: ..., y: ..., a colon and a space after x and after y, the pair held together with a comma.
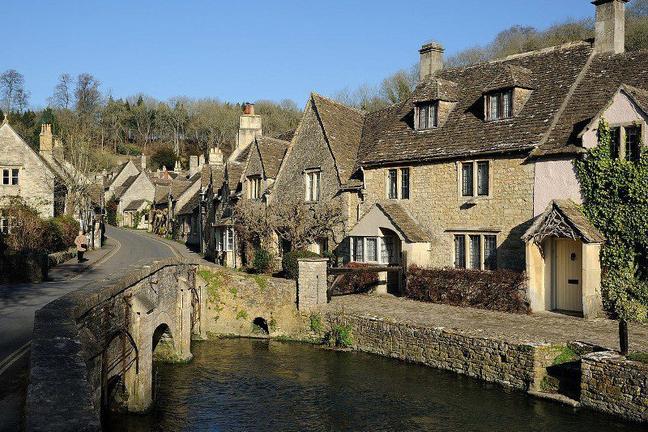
x: 340, y: 336
x: 262, y: 261
x: 500, y: 290
x: 163, y: 157
x: 111, y: 212
x: 355, y: 283
x: 289, y: 262
x: 60, y: 233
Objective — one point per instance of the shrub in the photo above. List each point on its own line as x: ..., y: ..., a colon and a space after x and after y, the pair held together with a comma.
x: 641, y: 357
x: 355, y: 283
x: 111, y: 212
x: 60, y: 233
x: 262, y: 261
x: 340, y: 336
x: 500, y: 290
x: 290, y: 265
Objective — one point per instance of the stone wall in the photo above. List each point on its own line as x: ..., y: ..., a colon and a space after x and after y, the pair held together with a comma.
x: 82, y: 338
x: 612, y: 384
x: 236, y: 300
x: 518, y: 366
x: 436, y: 203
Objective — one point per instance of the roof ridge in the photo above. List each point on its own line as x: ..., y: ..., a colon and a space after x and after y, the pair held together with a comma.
x: 328, y: 99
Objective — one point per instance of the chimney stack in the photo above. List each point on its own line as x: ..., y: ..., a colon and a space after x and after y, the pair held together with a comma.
x: 610, y: 26
x: 46, y: 140
x: 143, y: 162
x: 215, y: 156
x: 431, y: 60
x: 249, y: 128
x: 193, y: 165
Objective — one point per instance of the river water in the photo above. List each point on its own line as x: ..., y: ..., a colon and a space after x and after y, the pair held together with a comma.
x: 256, y: 385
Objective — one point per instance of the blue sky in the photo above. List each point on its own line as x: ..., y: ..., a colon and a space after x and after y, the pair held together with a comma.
x: 247, y: 50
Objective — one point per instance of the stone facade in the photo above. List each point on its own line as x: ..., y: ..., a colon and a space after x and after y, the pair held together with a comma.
x: 436, y: 203
x: 36, y: 181
x: 127, y: 170
x: 312, y: 285
x: 612, y: 384
x: 142, y: 188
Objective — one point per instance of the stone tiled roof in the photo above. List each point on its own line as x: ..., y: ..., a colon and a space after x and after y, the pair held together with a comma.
x: 287, y: 135
x: 272, y: 152
x: 233, y: 173
x: 573, y: 216
x: 405, y: 223
x: 511, y: 76
x: 604, y: 77
x: 640, y: 96
x: 436, y: 89
x: 119, y: 191
x: 178, y: 187
x: 135, y: 205
x: 161, y: 193
x: 554, y: 71
x: 343, y: 130
x: 191, y: 205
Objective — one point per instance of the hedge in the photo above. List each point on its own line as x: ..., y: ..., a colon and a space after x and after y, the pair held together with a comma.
x: 355, y: 283
x: 290, y: 265
x: 500, y: 290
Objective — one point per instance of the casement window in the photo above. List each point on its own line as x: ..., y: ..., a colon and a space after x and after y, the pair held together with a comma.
x: 625, y: 142
x: 374, y: 250
x: 225, y: 240
x: 313, y: 179
x: 426, y: 116
x: 10, y: 176
x: 499, y: 105
x: 396, y: 183
x: 254, y: 187
x: 475, y: 179
x: 371, y: 244
x: 7, y: 223
x: 475, y: 251
x: 358, y: 249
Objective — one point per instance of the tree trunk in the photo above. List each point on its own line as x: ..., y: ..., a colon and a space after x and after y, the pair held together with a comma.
x: 623, y: 336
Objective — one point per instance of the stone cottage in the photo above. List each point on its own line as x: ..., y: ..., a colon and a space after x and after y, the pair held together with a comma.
x: 458, y: 174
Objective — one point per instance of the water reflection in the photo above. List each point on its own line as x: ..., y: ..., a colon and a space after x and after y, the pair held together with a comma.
x: 249, y: 385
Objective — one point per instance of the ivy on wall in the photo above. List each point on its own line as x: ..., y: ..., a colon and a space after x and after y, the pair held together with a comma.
x: 615, y: 194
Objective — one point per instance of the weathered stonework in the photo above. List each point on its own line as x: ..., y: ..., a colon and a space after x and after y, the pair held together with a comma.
x: 436, y: 203
x: 312, y: 284
x: 612, y: 384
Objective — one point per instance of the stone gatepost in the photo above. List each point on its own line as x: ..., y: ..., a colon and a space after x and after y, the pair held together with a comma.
x: 182, y: 340
x: 312, y: 285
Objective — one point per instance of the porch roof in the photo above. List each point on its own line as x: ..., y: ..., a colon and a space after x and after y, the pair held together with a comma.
x: 563, y: 219
x: 397, y: 219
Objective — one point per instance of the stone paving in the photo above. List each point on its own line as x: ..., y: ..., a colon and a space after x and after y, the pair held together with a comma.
x: 537, y: 328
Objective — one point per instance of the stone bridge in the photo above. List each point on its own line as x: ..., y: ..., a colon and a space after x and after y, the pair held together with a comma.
x: 93, y: 349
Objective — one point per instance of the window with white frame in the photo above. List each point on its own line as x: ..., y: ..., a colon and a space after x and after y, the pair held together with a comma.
x: 475, y: 179
x: 426, y: 116
x: 5, y: 224
x: 313, y: 188
x: 374, y: 250
x: 225, y: 239
x: 398, y: 183
x: 254, y: 187
x: 10, y: 176
x: 499, y: 105
x: 475, y: 251
x: 625, y: 142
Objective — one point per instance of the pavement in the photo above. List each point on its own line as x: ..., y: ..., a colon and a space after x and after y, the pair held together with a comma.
x: 545, y: 327
x: 123, y: 251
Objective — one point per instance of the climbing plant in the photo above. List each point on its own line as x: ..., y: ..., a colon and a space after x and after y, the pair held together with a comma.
x: 615, y: 193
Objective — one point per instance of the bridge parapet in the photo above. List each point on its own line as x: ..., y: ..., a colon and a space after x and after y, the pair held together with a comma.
x: 97, y: 342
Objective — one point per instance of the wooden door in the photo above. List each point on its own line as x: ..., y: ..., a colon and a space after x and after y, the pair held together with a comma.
x: 568, y: 283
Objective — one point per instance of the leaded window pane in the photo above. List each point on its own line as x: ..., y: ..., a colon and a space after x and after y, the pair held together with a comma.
x: 615, y: 141
x: 393, y: 186
x: 490, y: 252
x: 633, y: 143
x: 467, y: 179
x: 358, y: 249
x: 460, y: 251
x: 482, y: 178
x: 405, y: 186
x: 493, y: 107
x: 372, y: 249
x: 475, y: 252
x: 5, y: 176
x: 14, y: 176
x: 507, y: 104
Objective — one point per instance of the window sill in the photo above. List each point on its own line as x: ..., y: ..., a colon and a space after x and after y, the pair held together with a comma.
x: 474, y: 199
x: 499, y: 120
x: 426, y: 130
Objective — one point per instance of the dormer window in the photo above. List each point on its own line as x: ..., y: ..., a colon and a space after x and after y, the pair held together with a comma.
x: 427, y: 115
x: 499, y: 105
x: 254, y: 187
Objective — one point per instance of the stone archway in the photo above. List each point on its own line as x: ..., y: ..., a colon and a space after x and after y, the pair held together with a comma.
x: 118, y: 357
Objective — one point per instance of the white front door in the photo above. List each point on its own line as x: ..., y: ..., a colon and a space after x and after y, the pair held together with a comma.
x: 567, y: 278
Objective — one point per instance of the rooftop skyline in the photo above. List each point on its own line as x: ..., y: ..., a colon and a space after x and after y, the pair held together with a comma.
x: 254, y: 50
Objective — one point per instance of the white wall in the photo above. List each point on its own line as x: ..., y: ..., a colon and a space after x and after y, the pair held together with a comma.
x: 554, y: 179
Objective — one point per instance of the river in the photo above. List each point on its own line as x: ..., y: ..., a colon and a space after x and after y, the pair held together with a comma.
x: 257, y: 385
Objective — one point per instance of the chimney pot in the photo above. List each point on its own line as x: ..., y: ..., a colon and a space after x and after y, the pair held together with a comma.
x: 248, y: 109
x: 431, y: 60
x: 610, y: 26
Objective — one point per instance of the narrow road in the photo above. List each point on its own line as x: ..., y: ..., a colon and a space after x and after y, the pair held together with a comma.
x: 18, y: 302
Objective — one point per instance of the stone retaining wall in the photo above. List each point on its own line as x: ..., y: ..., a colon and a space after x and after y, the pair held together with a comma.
x: 612, y: 384
x: 63, y: 391
x: 518, y: 366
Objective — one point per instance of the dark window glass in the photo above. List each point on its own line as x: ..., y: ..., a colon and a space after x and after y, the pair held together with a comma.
x: 358, y: 249
x: 427, y: 116
x: 482, y: 178
x: 467, y: 179
x: 615, y: 140
x: 499, y: 105
x: 14, y: 176
x: 5, y: 176
x: 490, y: 252
x: 475, y: 252
x: 460, y: 251
x: 405, y: 186
x: 393, y: 186
x: 507, y: 104
x: 633, y: 143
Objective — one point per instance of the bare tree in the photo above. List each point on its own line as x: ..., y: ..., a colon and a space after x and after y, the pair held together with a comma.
x: 87, y: 95
x: 13, y: 95
x: 143, y: 119
x: 399, y: 86
x: 174, y: 120
x: 62, y: 97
